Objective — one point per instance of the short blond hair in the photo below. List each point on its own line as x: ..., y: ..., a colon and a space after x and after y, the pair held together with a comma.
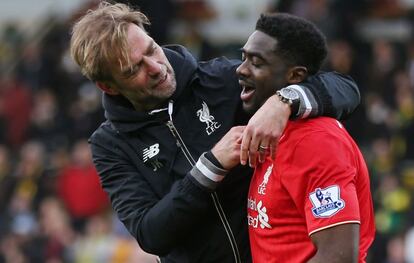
x: 99, y: 38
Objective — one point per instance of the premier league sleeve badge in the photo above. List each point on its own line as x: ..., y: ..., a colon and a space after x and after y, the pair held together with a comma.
x: 326, y: 202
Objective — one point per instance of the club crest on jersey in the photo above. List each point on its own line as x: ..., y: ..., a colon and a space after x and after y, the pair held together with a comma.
x: 261, y: 189
x: 205, y: 116
x: 326, y: 202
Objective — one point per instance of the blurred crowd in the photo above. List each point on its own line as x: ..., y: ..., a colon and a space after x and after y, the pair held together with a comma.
x: 51, y: 206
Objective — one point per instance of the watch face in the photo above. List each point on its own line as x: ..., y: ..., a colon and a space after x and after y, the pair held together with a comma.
x: 290, y: 94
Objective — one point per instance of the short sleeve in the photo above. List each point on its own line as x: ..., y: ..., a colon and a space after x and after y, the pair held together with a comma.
x: 321, y: 179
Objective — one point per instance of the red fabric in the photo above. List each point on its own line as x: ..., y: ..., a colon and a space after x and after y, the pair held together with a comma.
x: 15, y: 107
x: 319, y: 179
x: 80, y: 190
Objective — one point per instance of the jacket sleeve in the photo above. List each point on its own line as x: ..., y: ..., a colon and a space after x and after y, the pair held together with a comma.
x: 158, y: 223
x: 328, y: 94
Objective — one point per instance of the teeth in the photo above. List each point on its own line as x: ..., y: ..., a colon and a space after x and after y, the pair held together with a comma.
x: 248, y: 88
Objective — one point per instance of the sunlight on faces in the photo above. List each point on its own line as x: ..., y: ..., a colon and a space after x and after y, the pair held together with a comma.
x: 262, y: 71
x: 148, y: 80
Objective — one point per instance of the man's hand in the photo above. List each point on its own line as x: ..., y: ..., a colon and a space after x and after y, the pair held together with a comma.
x: 264, y: 130
x: 227, y: 150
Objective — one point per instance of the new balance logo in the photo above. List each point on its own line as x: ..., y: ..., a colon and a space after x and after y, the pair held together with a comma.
x: 150, y: 152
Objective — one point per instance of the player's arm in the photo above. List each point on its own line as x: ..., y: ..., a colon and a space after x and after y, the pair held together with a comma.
x: 331, y: 94
x: 323, y: 160
x: 338, y: 244
x: 324, y: 94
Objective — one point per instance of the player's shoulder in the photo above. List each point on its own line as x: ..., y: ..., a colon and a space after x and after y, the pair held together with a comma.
x: 325, y: 124
x: 314, y: 129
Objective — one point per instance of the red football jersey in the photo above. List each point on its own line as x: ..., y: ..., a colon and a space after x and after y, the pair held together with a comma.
x: 318, y: 180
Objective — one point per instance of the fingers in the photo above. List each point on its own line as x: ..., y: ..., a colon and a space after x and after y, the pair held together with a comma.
x: 255, y: 148
x: 244, y: 147
x: 264, y: 128
x: 227, y: 150
x: 263, y: 152
x: 250, y: 151
x: 249, y: 148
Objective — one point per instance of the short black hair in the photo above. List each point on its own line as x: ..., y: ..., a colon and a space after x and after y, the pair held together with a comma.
x: 299, y: 42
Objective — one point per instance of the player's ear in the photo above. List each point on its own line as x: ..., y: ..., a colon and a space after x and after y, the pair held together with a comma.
x: 107, y: 88
x: 296, y: 74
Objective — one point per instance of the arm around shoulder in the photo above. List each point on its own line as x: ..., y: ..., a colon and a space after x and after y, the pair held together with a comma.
x: 328, y: 94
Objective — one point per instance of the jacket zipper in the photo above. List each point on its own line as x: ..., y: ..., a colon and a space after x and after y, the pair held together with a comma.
x: 180, y: 143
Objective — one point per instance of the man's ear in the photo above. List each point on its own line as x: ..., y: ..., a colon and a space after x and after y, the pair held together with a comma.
x: 296, y: 74
x: 108, y: 89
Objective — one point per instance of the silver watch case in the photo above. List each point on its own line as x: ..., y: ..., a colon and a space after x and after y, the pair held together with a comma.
x: 288, y: 95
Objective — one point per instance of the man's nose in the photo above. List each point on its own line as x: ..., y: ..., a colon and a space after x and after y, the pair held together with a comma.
x: 153, y: 67
x: 242, y: 69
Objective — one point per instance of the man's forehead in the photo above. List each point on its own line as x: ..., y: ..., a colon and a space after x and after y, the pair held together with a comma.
x: 138, y: 43
x: 259, y: 42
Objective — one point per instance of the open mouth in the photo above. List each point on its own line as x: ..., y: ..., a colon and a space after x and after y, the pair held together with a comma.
x: 247, y: 91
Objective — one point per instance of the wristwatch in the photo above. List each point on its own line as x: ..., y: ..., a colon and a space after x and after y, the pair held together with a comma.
x: 291, y: 97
